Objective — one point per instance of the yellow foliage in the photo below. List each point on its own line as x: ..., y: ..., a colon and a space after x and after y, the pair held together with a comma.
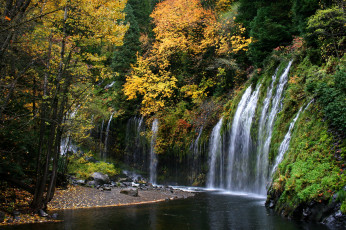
x: 180, y: 26
x: 223, y: 5
x: 154, y: 88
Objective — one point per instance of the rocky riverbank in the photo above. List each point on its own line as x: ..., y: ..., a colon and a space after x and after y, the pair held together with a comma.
x: 86, y: 197
x: 77, y: 196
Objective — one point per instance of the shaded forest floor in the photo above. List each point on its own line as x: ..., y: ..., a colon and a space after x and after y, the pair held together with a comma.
x: 15, y: 202
x: 14, y: 207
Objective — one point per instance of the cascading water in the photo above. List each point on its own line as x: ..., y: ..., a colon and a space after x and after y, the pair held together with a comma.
x: 247, y: 164
x: 216, y: 158
x: 263, y: 131
x: 286, y: 142
x: 135, y: 143
x: 239, y: 171
x: 275, y: 109
x: 266, y: 125
x: 153, y: 157
x: 66, y: 144
x: 196, y: 151
x: 101, y: 134
x: 106, y: 137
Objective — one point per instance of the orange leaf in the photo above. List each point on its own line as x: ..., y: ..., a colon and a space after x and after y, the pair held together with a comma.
x: 7, y: 18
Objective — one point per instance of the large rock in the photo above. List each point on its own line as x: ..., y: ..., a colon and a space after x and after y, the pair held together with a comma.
x: 130, y: 192
x: 100, y: 178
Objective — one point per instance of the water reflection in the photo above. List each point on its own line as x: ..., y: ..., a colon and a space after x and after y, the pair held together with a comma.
x: 205, y: 211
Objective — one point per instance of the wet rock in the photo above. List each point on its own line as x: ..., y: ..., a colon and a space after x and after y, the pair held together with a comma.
x: 130, y: 192
x: 42, y: 213
x: 336, y: 220
x: 100, y: 178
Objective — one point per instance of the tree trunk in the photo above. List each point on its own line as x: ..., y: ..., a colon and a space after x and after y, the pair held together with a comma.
x: 38, y: 201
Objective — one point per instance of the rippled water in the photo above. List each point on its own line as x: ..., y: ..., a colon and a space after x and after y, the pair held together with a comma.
x: 207, y: 210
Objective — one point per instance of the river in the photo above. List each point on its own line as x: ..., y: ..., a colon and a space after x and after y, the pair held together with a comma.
x: 207, y: 210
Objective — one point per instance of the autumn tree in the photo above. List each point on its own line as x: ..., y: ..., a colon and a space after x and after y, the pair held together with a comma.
x: 190, y: 43
x: 55, y: 56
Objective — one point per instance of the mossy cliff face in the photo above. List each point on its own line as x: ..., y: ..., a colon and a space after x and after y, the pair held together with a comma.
x: 310, y: 183
x: 311, y: 174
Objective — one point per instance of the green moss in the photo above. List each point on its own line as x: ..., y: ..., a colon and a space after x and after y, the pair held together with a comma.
x: 343, y: 207
x: 309, y: 170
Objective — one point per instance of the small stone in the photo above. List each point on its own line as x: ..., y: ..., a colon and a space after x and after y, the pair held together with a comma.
x: 42, y: 213
x: 55, y: 216
x: 130, y: 192
x: 107, y: 188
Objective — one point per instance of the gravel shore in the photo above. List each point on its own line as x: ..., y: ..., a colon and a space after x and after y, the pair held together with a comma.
x: 85, y: 197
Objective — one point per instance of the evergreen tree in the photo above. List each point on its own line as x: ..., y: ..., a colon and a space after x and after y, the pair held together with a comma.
x: 269, y: 23
x: 125, y: 55
x: 272, y: 27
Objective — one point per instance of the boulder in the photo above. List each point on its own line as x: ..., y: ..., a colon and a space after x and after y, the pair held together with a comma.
x: 100, y: 178
x: 130, y: 192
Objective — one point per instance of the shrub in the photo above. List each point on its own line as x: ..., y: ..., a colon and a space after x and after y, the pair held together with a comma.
x: 82, y: 168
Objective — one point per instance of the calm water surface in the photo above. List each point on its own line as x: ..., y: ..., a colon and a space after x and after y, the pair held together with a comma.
x: 207, y: 210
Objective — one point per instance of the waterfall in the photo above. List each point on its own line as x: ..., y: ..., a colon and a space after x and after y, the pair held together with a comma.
x: 216, y: 157
x: 135, y: 146
x: 153, y: 157
x: 195, y: 160
x: 275, y: 108
x: 239, y: 161
x: 286, y: 142
x: 101, y: 133
x: 66, y: 144
x: 106, y: 136
x: 247, y: 161
x: 195, y: 144
x: 263, y: 132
